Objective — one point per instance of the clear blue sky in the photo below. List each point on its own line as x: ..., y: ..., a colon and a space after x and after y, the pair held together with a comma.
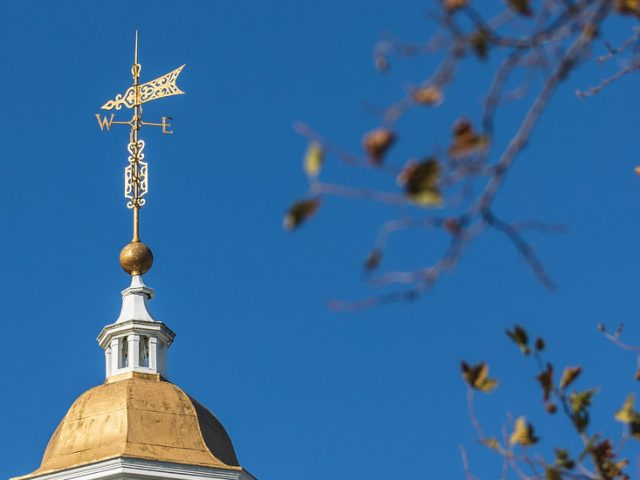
x: 304, y: 392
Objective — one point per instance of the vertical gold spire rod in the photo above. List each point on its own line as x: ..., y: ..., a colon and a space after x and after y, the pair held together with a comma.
x: 136, y: 258
x: 135, y: 128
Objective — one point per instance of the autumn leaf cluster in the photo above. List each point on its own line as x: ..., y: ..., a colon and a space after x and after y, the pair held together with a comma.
x: 598, y: 454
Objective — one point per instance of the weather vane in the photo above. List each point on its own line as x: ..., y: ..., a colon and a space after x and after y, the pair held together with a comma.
x: 136, y: 258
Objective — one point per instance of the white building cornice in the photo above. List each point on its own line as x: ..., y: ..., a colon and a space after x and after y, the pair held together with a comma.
x: 128, y: 468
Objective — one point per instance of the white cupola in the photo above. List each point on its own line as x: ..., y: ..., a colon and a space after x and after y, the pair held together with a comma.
x: 136, y: 342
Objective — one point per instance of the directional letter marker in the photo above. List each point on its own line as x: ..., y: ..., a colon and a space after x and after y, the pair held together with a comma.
x: 136, y: 183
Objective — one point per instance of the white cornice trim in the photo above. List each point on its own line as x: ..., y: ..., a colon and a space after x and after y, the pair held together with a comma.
x: 135, y: 326
x: 127, y: 468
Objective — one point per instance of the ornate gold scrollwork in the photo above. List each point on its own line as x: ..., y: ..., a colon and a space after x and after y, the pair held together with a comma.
x: 136, y: 175
x: 163, y: 86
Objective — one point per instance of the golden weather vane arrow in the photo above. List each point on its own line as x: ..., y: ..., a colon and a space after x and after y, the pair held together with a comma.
x: 136, y: 258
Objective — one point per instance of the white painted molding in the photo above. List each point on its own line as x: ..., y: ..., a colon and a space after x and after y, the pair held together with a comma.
x: 132, y: 468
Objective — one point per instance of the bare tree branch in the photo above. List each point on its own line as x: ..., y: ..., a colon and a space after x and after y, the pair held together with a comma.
x: 539, y: 53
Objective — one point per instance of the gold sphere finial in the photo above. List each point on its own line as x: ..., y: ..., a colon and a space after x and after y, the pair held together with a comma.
x: 136, y: 258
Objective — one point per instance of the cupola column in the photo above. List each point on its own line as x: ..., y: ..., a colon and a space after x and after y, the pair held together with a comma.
x: 153, y: 353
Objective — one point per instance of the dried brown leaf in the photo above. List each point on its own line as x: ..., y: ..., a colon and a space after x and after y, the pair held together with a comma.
x: 431, y: 96
x: 377, y: 142
x: 523, y: 433
x: 477, y: 377
x: 569, y: 375
x: 299, y: 212
x: 421, y: 182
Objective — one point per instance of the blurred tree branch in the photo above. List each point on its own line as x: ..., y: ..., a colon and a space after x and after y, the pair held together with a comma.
x: 537, y: 46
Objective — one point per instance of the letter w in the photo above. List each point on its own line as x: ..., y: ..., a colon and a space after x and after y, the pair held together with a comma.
x: 104, y: 121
